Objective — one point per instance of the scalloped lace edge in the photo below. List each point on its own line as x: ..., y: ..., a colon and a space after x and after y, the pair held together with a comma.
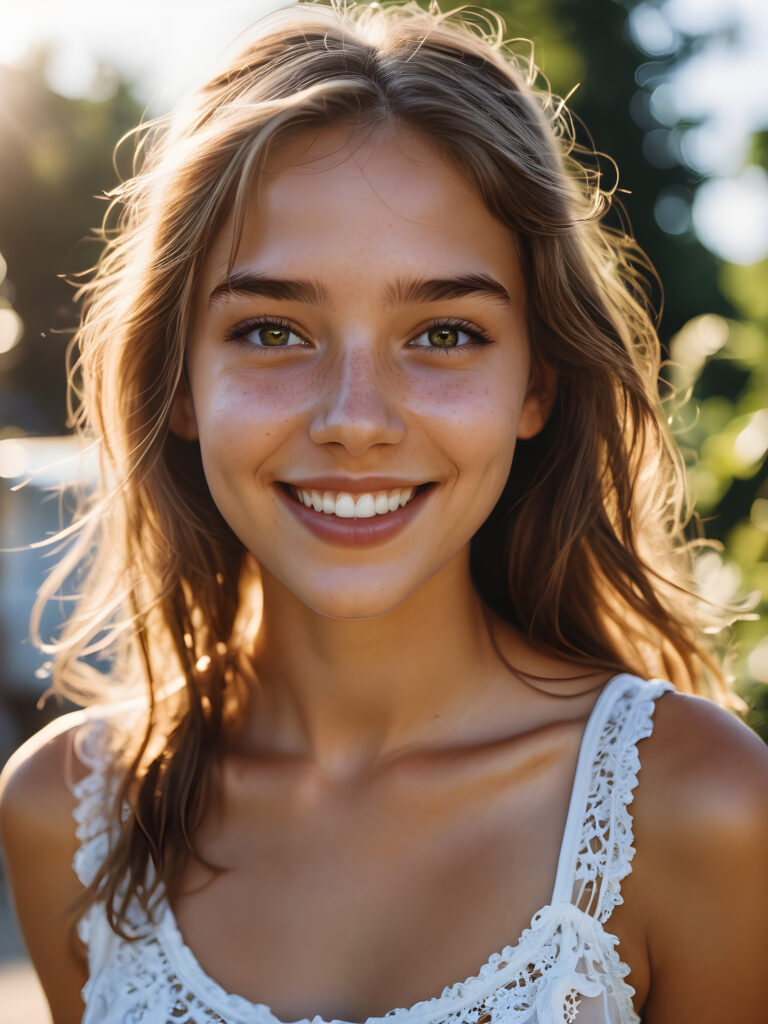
x: 93, y: 827
x: 544, y: 925
x: 637, y: 726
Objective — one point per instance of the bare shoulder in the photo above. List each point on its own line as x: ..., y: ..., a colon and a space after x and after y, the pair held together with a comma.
x: 704, y: 766
x: 33, y: 783
x: 701, y: 833
x: 38, y: 839
x: 36, y: 798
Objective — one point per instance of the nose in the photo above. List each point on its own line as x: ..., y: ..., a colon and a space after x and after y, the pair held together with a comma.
x: 359, y: 404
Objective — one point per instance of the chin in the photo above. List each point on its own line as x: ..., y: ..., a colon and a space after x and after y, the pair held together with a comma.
x: 351, y: 606
x: 334, y: 597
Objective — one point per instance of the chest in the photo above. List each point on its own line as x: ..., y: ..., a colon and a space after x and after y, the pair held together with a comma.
x: 350, y: 903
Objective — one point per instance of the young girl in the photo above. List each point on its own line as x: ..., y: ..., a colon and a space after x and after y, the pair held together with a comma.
x: 388, y: 550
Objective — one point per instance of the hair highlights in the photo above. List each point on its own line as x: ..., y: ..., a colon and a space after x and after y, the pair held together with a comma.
x: 585, y: 551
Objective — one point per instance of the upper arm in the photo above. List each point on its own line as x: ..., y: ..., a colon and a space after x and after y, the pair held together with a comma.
x: 702, y: 839
x: 38, y: 840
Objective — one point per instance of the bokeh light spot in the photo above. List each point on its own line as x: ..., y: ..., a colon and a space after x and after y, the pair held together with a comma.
x: 731, y: 216
x: 10, y: 329
x: 751, y: 443
x: 13, y: 458
x: 672, y: 210
x: 650, y: 30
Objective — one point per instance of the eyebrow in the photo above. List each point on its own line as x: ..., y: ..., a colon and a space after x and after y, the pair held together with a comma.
x: 439, y: 288
x: 243, y: 282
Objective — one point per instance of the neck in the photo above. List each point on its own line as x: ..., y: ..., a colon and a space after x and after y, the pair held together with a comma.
x: 346, y: 694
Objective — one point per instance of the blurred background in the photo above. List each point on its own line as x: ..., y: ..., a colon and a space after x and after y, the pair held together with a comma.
x: 675, y: 91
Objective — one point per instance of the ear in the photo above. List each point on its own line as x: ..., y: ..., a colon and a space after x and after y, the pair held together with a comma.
x: 539, y: 399
x: 183, y: 421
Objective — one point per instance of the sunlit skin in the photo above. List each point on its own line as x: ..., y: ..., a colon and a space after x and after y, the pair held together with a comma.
x: 392, y: 810
x: 366, y: 646
x: 389, y: 736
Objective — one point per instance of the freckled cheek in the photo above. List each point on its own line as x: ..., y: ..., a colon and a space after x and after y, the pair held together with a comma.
x: 245, y: 412
x: 478, y: 416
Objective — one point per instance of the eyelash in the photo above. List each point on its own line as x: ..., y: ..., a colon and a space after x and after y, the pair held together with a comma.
x: 479, y: 337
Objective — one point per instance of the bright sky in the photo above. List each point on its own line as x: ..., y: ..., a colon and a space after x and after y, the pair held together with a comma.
x: 166, y: 46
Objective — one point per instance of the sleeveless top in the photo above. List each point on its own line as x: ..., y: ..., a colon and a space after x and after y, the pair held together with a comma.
x: 564, y: 968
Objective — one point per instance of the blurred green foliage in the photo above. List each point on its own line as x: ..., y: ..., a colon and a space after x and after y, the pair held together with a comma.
x: 723, y: 363
x: 715, y: 315
x: 56, y: 157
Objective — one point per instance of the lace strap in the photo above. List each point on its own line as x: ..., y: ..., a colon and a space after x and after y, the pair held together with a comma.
x: 597, y: 849
x: 97, y: 744
x: 93, y: 795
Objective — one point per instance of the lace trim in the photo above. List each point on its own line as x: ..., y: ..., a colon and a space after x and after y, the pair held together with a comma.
x: 562, y: 935
x: 92, y: 793
x: 97, y: 744
x: 605, y: 849
x: 564, y: 955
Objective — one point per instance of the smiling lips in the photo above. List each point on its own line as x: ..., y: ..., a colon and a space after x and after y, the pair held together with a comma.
x: 356, y: 517
x: 354, y: 506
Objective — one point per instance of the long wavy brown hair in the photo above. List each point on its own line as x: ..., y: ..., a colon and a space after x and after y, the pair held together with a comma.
x: 586, y: 550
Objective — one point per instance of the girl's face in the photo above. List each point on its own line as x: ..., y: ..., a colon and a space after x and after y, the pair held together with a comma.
x: 374, y: 327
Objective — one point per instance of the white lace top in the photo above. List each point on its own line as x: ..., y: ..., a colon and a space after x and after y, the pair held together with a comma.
x: 564, y: 968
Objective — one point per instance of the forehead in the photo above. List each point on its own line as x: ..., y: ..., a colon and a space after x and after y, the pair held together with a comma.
x: 402, y: 168
x: 364, y: 204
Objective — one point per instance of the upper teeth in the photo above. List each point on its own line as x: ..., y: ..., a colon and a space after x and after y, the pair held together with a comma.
x: 350, y: 506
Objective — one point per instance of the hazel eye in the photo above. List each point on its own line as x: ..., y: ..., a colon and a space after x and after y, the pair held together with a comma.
x: 449, y: 335
x: 263, y: 334
x: 444, y: 337
x: 276, y: 335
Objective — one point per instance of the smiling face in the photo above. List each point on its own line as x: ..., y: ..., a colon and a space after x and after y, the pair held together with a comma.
x: 372, y: 338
